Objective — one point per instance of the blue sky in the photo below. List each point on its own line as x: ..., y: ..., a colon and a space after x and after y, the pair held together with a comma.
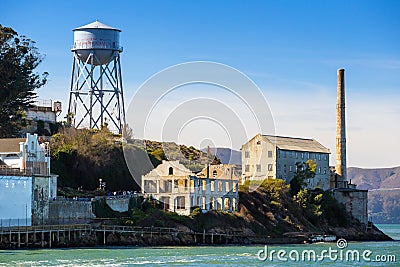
x: 290, y: 49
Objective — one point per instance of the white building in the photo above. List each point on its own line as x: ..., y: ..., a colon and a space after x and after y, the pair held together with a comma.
x: 25, y: 155
x: 181, y: 191
x: 26, y: 185
x: 41, y: 116
x: 267, y: 157
x: 217, y: 188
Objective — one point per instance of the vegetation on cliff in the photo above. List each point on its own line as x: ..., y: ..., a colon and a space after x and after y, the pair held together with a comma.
x: 191, y: 157
x: 265, y: 209
x: 82, y: 156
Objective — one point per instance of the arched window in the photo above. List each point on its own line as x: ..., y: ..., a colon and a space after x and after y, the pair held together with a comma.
x: 170, y: 171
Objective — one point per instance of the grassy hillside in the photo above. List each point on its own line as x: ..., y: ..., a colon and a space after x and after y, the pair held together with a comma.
x: 82, y: 157
x: 191, y: 157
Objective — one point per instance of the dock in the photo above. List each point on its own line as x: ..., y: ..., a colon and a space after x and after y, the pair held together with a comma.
x: 90, y: 235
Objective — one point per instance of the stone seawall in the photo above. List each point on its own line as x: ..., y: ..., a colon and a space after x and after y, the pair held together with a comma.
x: 70, y: 211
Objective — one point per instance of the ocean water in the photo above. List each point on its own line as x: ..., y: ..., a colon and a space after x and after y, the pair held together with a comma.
x: 388, y: 254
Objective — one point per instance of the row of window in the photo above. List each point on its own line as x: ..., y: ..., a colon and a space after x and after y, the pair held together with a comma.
x: 203, y: 186
x: 291, y: 168
x: 302, y: 155
x: 182, y: 185
x: 293, y: 154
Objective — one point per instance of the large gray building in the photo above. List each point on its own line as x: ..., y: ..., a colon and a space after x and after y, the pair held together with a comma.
x: 268, y: 157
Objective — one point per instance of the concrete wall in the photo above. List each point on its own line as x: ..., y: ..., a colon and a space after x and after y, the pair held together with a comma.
x: 355, y: 201
x: 15, y: 200
x: 70, y: 211
x: 118, y: 204
x: 44, y: 189
x: 48, y: 116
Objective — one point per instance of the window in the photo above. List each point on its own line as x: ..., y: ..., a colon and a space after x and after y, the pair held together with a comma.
x: 212, y: 186
x: 258, y: 166
x: 150, y: 186
x: 204, y: 185
x: 247, y: 154
x: 326, y: 157
x: 290, y: 154
x: 214, y: 173
x: 283, y: 154
x: 325, y: 170
x: 296, y: 155
x: 246, y: 168
x: 227, y: 187
x: 258, y: 142
x: 302, y: 155
x: 180, y: 203
x: 166, y: 186
x: 170, y: 171
x: 284, y: 168
x: 319, y: 169
x: 269, y: 154
x: 192, y: 186
x: 269, y: 167
x: 290, y: 168
x: 219, y: 186
x: 319, y: 156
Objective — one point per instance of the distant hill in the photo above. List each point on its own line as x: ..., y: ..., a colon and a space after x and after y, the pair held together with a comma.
x: 226, y: 155
x: 374, y: 178
x: 384, y: 192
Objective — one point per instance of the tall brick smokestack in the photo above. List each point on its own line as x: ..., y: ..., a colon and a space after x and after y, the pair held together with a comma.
x: 341, y: 128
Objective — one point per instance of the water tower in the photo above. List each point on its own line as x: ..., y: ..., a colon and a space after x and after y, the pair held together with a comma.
x: 96, y: 95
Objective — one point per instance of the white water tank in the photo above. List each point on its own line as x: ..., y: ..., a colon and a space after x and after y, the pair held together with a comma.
x: 99, y: 39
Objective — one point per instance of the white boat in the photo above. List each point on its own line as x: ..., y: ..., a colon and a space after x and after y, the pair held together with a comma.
x: 322, y: 238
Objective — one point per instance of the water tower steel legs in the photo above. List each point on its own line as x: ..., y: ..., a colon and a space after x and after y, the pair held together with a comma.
x: 96, y: 94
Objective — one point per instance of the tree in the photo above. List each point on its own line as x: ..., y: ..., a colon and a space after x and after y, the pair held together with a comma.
x: 19, y: 58
x: 304, y: 170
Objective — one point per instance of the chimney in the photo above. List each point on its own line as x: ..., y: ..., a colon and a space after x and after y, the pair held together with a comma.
x: 341, y: 128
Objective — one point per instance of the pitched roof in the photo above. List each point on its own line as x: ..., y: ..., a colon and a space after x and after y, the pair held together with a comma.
x: 297, y: 144
x: 96, y: 25
x: 10, y: 144
x: 163, y: 169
